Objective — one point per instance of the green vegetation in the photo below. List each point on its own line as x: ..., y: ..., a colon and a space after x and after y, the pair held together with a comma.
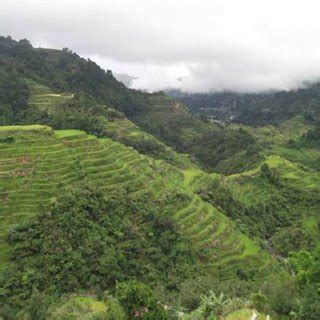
x: 244, y: 314
x: 255, y: 109
x: 108, y: 209
x: 140, y: 301
x: 68, y: 92
x: 46, y: 162
x: 68, y: 111
x: 83, y: 308
x: 13, y: 98
x: 91, y: 240
x: 42, y: 164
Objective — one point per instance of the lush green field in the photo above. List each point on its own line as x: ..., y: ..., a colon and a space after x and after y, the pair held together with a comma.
x: 37, y: 164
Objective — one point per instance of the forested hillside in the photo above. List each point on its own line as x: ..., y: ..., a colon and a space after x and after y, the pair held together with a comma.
x: 119, y: 204
x: 65, y: 73
x: 255, y: 109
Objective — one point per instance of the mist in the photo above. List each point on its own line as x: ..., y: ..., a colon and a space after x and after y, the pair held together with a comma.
x: 195, y: 46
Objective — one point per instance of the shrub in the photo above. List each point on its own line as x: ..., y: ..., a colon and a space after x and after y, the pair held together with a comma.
x: 139, y: 301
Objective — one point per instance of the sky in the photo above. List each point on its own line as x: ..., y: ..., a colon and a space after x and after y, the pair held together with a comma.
x: 192, y: 45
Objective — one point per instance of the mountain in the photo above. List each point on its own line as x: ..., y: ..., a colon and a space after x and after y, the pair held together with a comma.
x: 64, y: 72
x: 255, y: 109
x: 120, y: 204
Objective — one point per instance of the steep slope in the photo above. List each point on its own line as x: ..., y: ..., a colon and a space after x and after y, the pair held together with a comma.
x: 289, y: 200
x: 278, y: 200
x: 64, y: 72
x: 38, y: 163
x: 64, y: 110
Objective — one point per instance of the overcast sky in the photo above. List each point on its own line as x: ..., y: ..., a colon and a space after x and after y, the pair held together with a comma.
x: 195, y: 45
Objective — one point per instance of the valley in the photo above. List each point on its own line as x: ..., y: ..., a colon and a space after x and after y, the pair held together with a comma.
x: 108, y: 194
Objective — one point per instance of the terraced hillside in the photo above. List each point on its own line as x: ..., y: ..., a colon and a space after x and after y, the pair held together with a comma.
x: 229, y: 245
x: 43, y: 98
x: 281, y: 205
x: 38, y: 163
x: 171, y: 121
x: 112, y: 123
x: 291, y: 200
x: 65, y: 73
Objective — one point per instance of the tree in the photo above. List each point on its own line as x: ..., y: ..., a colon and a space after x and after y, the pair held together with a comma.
x: 139, y: 301
x: 268, y: 174
x: 213, y: 305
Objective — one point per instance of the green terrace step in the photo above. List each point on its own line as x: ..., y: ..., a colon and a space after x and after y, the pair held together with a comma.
x: 71, y: 158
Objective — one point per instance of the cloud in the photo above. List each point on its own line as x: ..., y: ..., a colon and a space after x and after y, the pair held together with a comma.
x: 194, y: 45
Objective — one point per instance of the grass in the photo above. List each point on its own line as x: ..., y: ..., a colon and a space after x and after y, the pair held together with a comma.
x: 35, y: 127
x: 295, y: 198
x: 310, y: 224
x: 244, y: 314
x: 67, y: 133
x: 119, y: 128
x: 216, y: 235
x: 43, y: 98
x: 36, y: 167
x: 80, y: 307
x: 270, y: 136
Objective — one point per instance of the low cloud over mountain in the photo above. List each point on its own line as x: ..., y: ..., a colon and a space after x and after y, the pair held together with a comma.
x: 208, y: 45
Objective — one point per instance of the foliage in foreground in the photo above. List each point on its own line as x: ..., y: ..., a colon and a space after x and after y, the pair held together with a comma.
x: 89, y: 241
